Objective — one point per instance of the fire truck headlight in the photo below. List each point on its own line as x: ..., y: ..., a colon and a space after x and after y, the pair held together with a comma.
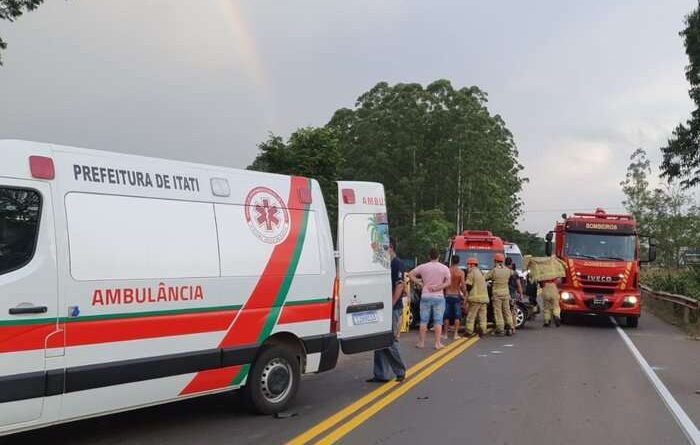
x: 631, y: 300
x: 567, y: 297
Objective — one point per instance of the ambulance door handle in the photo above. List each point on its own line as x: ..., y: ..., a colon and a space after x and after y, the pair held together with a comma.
x: 26, y: 308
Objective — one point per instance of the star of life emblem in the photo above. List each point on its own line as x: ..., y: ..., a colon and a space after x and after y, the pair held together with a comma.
x: 266, y: 215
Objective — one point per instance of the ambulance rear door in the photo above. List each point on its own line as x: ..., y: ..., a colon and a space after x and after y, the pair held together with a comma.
x: 363, y: 268
x: 29, y: 333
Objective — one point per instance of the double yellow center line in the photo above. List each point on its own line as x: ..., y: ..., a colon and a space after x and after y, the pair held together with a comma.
x: 421, y: 371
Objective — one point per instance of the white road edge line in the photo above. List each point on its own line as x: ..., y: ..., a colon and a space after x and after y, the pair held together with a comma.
x: 689, y: 429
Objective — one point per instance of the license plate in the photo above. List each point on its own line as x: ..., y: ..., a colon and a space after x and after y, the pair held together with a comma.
x: 599, y: 302
x: 365, y: 318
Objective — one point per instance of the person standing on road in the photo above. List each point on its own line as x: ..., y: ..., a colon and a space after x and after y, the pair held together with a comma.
x: 531, y: 289
x: 390, y: 357
x: 453, y: 298
x: 550, y: 297
x: 478, y: 298
x: 434, y: 278
x: 500, y: 275
x: 515, y: 287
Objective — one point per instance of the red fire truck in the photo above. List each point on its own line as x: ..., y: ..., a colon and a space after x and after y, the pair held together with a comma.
x: 480, y: 244
x: 602, y: 255
x: 484, y: 245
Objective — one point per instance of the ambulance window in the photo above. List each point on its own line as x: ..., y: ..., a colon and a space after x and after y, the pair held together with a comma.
x: 365, y: 243
x: 122, y: 237
x: 19, y: 226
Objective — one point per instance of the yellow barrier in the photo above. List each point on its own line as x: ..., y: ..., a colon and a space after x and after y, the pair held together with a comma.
x: 405, y: 325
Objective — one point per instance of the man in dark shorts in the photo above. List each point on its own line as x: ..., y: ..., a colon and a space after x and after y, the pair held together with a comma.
x: 454, y: 294
x: 390, y: 357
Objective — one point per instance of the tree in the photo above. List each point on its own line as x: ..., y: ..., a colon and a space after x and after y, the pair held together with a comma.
x: 446, y: 163
x: 636, y: 185
x: 309, y: 152
x: 672, y: 223
x: 432, y: 230
x: 662, y: 213
x: 682, y: 154
x: 529, y: 243
x: 12, y: 9
x: 433, y: 147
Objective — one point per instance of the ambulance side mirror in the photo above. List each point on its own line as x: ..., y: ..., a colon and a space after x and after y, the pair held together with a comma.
x: 548, y: 244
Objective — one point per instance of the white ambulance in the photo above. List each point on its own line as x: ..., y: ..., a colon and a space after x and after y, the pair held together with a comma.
x: 128, y: 281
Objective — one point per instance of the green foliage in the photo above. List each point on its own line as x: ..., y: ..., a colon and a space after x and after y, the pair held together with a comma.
x: 662, y: 213
x: 446, y: 163
x: 636, y: 186
x: 529, y: 243
x: 309, y: 152
x: 12, y: 9
x: 432, y: 230
x: 682, y: 154
x: 682, y: 282
x: 432, y: 147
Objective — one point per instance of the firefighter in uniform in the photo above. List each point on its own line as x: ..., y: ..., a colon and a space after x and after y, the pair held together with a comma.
x: 477, y: 297
x: 550, y: 297
x: 500, y: 275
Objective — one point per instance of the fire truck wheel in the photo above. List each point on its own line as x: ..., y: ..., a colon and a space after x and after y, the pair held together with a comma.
x: 632, y: 322
x: 565, y: 318
x: 273, y: 380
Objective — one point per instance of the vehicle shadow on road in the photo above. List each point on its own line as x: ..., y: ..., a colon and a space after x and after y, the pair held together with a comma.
x: 591, y: 321
x: 127, y: 426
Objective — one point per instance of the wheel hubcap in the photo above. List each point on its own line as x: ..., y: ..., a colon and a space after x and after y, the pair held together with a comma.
x: 519, y: 317
x: 276, y: 380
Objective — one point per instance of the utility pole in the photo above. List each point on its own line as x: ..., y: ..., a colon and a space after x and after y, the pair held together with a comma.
x: 469, y: 199
x: 414, y: 191
x: 459, y: 191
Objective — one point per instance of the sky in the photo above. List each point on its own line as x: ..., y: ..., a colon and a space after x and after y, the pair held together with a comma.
x: 580, y: 84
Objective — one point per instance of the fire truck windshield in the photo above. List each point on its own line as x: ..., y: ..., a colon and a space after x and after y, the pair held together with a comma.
x: 485, y: 258
x: 517, y: 259
x: 595, y: 246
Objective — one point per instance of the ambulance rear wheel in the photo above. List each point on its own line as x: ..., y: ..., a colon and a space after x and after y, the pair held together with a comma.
x: 273, y: 380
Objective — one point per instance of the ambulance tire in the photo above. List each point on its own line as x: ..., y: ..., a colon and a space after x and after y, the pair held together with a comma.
x: 632, y: 322
x: 273, y: 380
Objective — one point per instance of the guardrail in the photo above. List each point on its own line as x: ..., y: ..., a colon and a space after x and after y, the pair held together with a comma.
x: 687, y: 303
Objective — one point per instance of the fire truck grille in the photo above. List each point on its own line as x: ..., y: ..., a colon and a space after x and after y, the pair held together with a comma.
x: 599, y: 290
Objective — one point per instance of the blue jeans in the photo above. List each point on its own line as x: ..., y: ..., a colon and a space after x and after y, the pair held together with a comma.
x: 390, y: 357
x: 436, y: 305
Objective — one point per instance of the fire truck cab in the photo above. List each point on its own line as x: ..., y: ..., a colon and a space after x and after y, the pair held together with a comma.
x: 602, y: 255
x: 481, y: 244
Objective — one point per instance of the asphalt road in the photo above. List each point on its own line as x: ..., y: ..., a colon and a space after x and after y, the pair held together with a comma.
x: 576, y: 384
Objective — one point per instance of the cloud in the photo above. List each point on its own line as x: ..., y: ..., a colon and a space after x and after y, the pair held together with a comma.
x: 577, y: 83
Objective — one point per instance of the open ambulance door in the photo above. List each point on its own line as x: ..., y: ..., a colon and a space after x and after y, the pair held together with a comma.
x: 364, y: 273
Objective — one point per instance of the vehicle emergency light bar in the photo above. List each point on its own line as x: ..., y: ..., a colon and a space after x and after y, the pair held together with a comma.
x: 601, y: 214
x: 479, y: 240
x: 477, y: 233
x: 481, y: 236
